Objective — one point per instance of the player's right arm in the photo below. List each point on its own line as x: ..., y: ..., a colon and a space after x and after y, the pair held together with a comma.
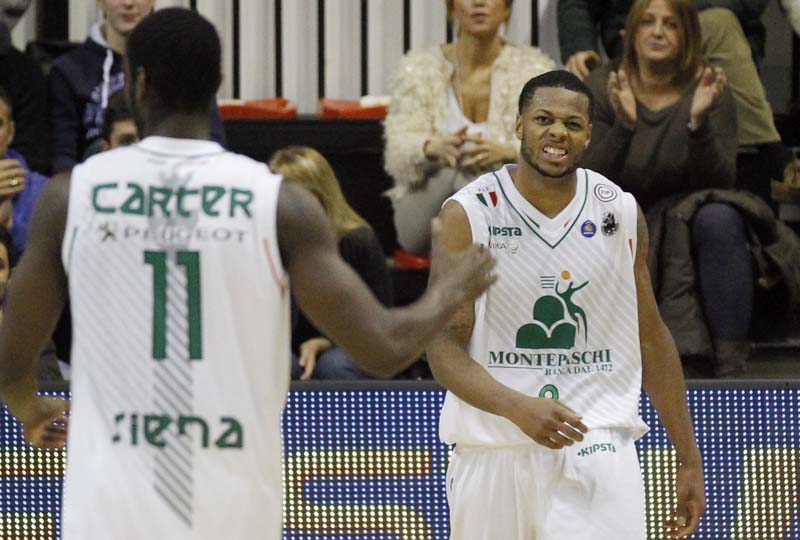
x: 546, y: 421
x: 382, y: 341
x: 36, y: 295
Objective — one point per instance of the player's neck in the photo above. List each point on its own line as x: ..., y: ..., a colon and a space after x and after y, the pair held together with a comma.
x: 547, y: 194
x: 180, y: 126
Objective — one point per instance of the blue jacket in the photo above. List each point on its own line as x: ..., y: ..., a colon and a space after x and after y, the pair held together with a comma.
x: 24, y: 202
x: 80, y: 84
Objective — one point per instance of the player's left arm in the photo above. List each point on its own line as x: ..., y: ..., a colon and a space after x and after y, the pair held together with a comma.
x: 662, y: 377
x: 36, y: 295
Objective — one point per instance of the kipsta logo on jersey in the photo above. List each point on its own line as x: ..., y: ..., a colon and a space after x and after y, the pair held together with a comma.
x: 487, y: 196
x: 588, y: 229
x: 605, y: 193
x: 610, y: 224
x: 556, y: 318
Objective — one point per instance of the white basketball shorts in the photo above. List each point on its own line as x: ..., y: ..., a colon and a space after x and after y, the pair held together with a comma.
x: 591, y: 490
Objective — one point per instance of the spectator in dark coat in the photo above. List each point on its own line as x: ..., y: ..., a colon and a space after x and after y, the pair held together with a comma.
x: 25, y: 85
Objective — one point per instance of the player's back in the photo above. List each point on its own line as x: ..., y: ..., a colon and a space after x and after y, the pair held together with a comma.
x: 180, y: 310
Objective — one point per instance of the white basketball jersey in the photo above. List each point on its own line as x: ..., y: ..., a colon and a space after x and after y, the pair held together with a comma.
x: 180, y: 356
x: 562, y: 320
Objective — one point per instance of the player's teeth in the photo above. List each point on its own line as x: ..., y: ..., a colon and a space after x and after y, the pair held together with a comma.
x: 556, y: 151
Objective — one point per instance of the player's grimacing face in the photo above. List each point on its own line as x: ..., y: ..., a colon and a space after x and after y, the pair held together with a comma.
x: 555, y: 130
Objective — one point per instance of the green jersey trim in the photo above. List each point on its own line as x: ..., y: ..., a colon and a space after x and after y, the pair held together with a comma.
x: 525, y: 218
x: 185, y: 156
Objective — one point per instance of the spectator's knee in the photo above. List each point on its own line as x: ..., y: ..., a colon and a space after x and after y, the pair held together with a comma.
x: 716, y: 225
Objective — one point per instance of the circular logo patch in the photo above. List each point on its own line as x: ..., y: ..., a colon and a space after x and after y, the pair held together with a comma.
x: 605, y: 193
x: 588, y: 229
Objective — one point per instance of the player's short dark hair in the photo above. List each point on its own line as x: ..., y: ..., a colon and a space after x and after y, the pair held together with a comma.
x: 181, y: 54
x: 7, y: 240
x: 555, y: 79
x: 117, y: 111
x: 6, y: 98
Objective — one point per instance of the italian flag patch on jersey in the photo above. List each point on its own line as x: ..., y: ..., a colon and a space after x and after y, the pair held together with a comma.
x: 487, y: 198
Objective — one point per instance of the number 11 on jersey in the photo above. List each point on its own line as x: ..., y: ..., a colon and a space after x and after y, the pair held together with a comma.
x: 190, y: 260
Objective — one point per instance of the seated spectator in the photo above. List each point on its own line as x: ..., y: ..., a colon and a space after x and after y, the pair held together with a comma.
x: 318, y: 357
x: 82, y: 81
x: 665, y: 130
x: 452, y: 114
x: 119, y: 126
x: 732, y: 37
x: 23, y: 80
x: 18, y: 184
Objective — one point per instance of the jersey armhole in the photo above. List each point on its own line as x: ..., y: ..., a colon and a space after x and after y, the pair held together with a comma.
x: 269, y: 242
x: 632, y: 216
x: 477, y: 221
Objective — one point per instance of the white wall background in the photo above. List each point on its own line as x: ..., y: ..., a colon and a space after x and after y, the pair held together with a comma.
x: 343, y: 42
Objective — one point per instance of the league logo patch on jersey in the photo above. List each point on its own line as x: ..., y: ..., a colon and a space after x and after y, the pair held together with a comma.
x: 605, y: 193
x: 487, y: 196
x: 610, y: 224
x: 588, y: 229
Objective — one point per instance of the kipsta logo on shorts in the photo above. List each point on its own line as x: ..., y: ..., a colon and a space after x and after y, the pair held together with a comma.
x: 588, y: 229
x: 556, y: 318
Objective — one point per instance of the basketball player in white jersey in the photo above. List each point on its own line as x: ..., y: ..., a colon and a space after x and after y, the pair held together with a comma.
x: 544, y: 370
x: 178, y: 257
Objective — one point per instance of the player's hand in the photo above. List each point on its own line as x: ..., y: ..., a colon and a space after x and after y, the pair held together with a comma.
x: 581, y: 63
x: 691, y: 501
x: 484, y: 154
x: 548, y: 422
x: 445, y: 150
x: 708, y: 92
x: 309, y: 351
x: 45, y: 422
x: 621, y: 97
x: 12, y: 177
x: 460, y: 276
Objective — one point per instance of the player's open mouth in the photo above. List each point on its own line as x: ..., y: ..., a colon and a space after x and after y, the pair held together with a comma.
x: 554, y: 153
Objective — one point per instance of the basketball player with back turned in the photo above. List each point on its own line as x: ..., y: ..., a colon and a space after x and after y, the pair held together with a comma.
x: 178, y: 257
x: 544, y: 371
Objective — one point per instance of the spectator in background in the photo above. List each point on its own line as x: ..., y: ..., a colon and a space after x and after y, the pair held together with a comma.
x: 452, y: 114
x: 665, y: 130
x: 25, y: 84
x: 82, y: 81
x: 318, y: 357
x: 18, y: 184
x: 733, y: 38
x: 119, y: 125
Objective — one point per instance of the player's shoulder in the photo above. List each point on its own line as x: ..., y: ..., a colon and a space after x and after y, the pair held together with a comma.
x: 601, y: 188
x: 483, y: 192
